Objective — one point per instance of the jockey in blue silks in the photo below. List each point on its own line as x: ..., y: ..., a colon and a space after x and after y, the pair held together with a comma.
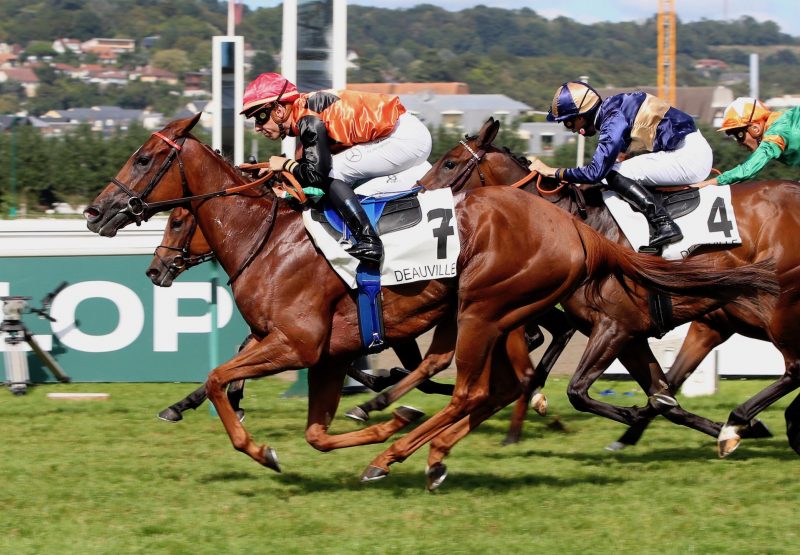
x: 644, y: 142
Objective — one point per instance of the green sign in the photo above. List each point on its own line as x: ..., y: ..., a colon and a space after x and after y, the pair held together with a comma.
x: 113, y: 325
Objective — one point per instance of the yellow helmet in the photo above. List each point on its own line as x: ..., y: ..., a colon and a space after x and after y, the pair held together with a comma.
x: 742, y: 112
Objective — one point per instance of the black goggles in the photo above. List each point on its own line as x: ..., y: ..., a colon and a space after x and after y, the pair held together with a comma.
x: 262, y: 116
x: 737, y: 135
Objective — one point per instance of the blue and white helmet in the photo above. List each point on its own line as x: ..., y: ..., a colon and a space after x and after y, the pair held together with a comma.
x: 573, y: 99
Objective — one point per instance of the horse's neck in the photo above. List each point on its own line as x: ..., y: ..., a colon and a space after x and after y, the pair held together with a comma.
x: 232, y: 225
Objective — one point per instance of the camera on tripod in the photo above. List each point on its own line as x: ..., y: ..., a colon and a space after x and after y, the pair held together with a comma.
x: 15, y: 334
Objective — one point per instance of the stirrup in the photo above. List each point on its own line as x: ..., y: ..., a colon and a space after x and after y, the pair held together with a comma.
x: 647, y: 249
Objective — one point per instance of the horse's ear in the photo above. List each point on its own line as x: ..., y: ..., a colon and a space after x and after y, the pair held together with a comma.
x: 488, y: 132
x: 191, y: 122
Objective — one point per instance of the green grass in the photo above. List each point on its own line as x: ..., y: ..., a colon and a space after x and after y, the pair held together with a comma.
x: 108, y: 477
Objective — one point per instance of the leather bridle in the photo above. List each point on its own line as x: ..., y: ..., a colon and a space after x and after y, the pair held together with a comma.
x: 184, y: 260
x: 136, y: 206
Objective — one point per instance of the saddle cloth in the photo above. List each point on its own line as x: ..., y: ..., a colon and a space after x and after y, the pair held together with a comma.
x: 426, y: 250
x: 712, y: 222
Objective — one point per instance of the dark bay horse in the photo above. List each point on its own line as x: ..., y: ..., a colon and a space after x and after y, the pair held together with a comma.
x: 519, y: 256
x: 766, y: 213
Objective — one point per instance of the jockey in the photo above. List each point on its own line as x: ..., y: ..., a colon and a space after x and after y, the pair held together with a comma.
x: 644, y: 142
x: 346, y: 138
x: 768, y: 135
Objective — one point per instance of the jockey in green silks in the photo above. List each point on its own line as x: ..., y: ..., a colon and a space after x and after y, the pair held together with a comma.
x: 768, y: 135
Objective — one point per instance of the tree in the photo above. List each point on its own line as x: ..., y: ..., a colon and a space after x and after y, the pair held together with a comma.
x: 176, y: 61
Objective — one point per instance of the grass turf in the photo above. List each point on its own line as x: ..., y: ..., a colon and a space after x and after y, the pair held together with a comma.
x: 108, y: 477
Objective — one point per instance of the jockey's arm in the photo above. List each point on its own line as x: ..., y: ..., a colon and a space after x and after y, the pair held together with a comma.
x: 765, y: 152
x: 315, y: 166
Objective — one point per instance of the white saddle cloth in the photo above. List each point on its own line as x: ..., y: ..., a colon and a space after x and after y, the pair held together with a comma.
x: 426, y: 251
x: 713, y: 222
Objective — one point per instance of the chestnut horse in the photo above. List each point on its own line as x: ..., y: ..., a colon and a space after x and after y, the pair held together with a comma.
x: 519, y: 256
x: 182, y: 247
x: 766, y: 213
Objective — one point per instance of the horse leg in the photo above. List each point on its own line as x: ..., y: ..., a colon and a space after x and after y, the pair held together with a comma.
x: 174, y: 413
x: 792, y: 416
x: 517, y: 345
x: 273, y: 354
x: 741, y: 416
x: 638, y: 356
x: 504, y: 387
x: 605, y: 343
x: 379, y: 383
x: 408, y: 353
x: 436, y: 359
x: 699, y: 342
x: 324, y: 394
x: 410, y: 358
x: 561, y: 331
x: 235, y: 395
x: 477, y: 339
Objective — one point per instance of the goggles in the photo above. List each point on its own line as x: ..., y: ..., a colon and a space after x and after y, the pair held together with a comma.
x: 262, y: 115
x: 737, y: 135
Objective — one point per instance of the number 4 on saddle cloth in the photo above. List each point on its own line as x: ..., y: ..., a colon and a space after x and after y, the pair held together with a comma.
x: 705, y: 217
x: 420, y: 241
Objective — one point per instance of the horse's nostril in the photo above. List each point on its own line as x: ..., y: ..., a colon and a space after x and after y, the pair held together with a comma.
x: 152, y: 273
x: 91, y: 213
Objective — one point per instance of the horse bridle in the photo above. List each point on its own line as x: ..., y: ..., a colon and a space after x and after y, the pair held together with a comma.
x: 136, y: 205
x: 184, y: 260
x: 474, y: 162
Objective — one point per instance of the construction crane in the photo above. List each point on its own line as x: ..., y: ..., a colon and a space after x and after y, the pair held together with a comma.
x: 666, y: 50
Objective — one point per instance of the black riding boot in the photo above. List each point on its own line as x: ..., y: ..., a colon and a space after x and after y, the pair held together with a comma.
x: 663, y: 229
x: 368, y: 246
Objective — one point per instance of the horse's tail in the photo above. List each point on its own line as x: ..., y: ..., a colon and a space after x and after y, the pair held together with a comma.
x: 692, y: 277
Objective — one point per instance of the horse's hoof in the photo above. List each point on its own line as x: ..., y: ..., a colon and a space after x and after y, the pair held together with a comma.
x: 358, y: 414
x: 408, y: 414
x: 240, y: 414
x: 435, y: 475
x: 755, y: 430
x: 170, y: 415
x: 728, y: 441
x: 616, y: 446
x: 539, y: 404
x: 511, y: 439
x: 661, y: 401
x: 271, y: 459
x: 373, y: 473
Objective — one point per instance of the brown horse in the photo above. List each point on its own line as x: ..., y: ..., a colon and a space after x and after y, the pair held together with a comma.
x: 765, y: 211
x: 182, y: 247
x: 520, y: 255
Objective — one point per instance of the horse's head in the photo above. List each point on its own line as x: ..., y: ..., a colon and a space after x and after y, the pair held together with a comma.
x: 182, y: 247
x: 475, y: 162
x: 149, y: 175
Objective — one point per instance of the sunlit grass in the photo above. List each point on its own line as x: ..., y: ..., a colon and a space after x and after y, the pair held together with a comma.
x: 108, y: 477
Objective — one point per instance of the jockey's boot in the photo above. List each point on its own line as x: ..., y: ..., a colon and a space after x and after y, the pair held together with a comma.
x: 663, y: 229
x: 368, y: 246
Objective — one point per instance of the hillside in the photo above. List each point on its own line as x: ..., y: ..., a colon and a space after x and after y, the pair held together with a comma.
x: 516, y: 52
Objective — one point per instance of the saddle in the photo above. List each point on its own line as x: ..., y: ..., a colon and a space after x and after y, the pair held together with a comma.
x: 679, y: 202
x: 387, y: 214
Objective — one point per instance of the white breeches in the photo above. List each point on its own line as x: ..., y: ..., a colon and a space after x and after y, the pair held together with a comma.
x: 407, y: 146
x: 689, y: 163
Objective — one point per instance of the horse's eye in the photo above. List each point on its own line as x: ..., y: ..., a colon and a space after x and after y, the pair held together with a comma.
x: 176, y: 224
x: 143, y: 160
x: 450, y: 164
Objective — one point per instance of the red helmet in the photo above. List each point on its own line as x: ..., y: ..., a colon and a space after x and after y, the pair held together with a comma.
x: 267, y: 88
